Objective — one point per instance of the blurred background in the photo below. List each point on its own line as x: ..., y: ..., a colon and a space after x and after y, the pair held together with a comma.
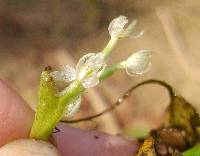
x: 37, y: 33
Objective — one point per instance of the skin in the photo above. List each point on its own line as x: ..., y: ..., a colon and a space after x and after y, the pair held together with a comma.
x: 16, y: 119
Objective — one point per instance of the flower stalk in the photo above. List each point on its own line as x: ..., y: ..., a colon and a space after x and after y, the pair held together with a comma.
x: 110, y: 71
x: 109, y: 47
x: 90, y: 70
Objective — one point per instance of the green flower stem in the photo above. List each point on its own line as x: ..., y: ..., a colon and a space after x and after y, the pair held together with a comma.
x: 74, y: 90
x: 111, y: 44
x: 110, y: 71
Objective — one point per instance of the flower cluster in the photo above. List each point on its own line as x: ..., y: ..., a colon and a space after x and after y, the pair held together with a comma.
x: 90, y: 67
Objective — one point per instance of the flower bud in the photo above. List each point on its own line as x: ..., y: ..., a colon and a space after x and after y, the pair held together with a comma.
x: 138, y: 63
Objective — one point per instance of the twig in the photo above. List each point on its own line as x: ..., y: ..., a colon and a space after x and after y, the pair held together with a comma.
x: 111, y: 92
x: 124, y: 97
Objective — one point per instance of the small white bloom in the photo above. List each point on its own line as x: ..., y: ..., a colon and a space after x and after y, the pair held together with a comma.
x: 138, y: 63
x: 88, y: 70
x: 116, y: 26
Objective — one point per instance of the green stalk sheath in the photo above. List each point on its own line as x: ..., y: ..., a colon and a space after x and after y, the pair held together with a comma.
x: 43, y: 124
x: 51, y: 107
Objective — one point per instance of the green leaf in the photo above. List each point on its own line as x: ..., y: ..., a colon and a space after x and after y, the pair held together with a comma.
x: 194, y: 151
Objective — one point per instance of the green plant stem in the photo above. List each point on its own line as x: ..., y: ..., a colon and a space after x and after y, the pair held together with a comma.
x: 110, y: 71
x: 111, y: 44
x: 73, y: 90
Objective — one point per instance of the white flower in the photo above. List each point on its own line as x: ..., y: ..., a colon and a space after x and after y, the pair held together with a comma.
x: 116, y: 28
x: 138, y: 63
x: 87, y: 71
x: 89, y: 68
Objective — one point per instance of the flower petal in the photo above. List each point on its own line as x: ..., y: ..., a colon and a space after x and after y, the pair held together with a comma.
x: 69, y: 74
x: 89, y: 68
x: 97, y: 63
x: 116, y: 26
x: 141, y: 33
x: 127, y: 32
x: 90, y: 81
x: 138, y: 63
x: 73, y: 107
x: 58, y: 75
x: 81, y: 65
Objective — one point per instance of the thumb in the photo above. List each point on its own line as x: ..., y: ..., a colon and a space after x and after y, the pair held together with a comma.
x: 16, y: 116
